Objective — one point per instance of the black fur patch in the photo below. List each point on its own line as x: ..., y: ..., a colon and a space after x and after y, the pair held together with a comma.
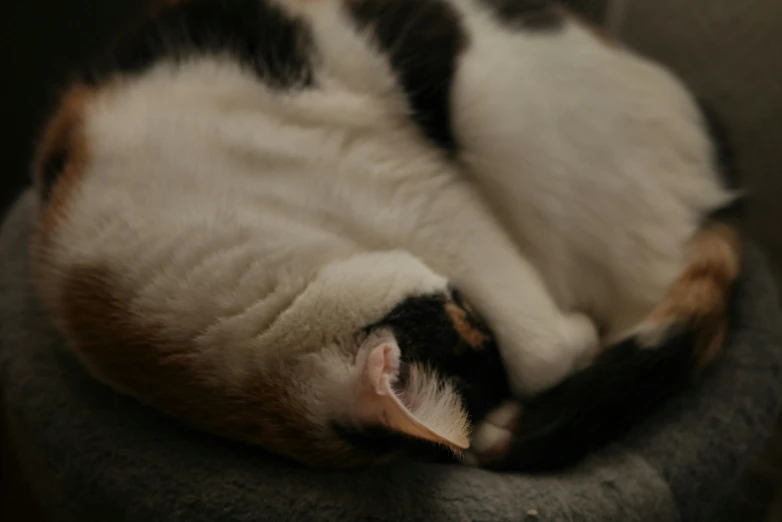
x: 423, y: 40
x: 599, y: 405
x: 379, y: 441
x: 427, y: 335
x: 374, y: 440
x: 593, y: 11
x: 53, y: 165
x: 256, y: 33
x: 526, y: 14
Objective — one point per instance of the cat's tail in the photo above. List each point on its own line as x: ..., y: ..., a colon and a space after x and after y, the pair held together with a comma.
x: 637, y: 375
x: 698, y: 301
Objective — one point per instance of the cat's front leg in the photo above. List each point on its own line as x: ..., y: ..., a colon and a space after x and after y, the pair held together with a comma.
x: 539, y: 355
x: 540, y: 343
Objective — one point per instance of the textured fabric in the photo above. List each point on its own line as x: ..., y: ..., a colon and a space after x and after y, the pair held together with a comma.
x: 93, y: 455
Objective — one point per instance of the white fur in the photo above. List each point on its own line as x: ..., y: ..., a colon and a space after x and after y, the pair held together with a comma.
x: 494, y: 435
x: 287, y: 222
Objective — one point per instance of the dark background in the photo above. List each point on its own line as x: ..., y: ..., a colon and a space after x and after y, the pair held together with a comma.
x: 42, y: 40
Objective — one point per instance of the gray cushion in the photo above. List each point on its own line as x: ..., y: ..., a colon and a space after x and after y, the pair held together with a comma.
x: 94, y: 455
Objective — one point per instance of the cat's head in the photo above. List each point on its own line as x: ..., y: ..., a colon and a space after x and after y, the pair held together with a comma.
x: 413, y: 382
x: 374, y: 358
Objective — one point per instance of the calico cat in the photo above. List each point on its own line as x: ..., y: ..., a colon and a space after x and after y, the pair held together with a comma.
x: 266, y: 218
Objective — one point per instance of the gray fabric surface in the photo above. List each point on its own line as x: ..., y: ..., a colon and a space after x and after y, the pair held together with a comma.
x: 93, y: 455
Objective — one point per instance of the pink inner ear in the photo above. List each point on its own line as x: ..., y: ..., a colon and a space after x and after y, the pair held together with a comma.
x: 380, y: 402
x: 382, y: 367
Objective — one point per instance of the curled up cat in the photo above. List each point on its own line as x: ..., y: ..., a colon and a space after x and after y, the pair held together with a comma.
x: 343, y: 230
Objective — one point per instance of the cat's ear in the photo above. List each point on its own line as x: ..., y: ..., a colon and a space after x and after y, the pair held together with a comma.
x: 423, y: 407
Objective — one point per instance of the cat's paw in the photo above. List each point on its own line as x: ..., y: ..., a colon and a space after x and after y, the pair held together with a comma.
x: 492, y: 438
x: 580, y: 340
x: 570, y: 344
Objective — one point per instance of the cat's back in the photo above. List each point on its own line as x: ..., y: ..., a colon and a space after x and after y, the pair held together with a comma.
x: 215, y: 113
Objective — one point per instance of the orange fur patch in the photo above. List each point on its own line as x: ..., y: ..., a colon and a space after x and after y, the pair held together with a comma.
x: 700, y: 296
x: 472, y: 336
x: 136, y: 355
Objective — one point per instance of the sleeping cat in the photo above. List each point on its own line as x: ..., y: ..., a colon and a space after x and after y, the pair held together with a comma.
x: 267, y: 218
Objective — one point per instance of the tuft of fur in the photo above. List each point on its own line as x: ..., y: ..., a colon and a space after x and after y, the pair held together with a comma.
x: 431, y: 399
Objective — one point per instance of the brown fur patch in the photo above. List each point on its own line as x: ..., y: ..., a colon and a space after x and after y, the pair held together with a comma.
x: 701, y: 295
x: 135, y: 355
x: 471, y: 335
